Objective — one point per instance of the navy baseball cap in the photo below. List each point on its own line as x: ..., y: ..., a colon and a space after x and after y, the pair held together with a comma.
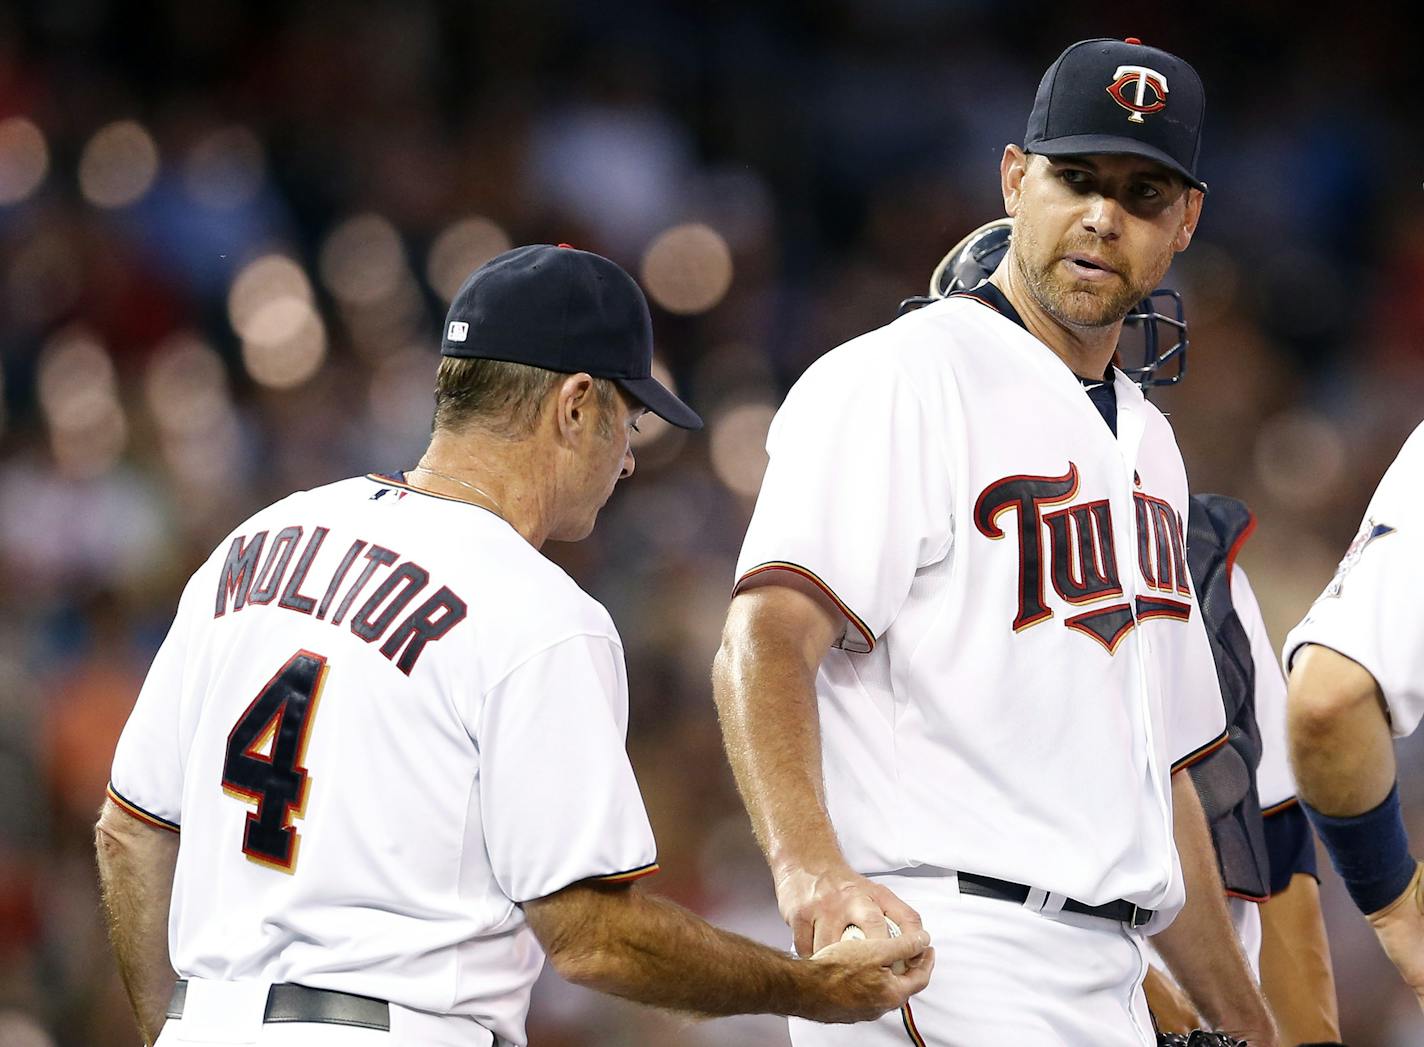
x: 1120, y: 97
x: 564, y: 310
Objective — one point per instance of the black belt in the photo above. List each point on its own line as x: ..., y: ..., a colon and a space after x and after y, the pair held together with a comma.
x: 297, y: 1003
x: 1119, y: 911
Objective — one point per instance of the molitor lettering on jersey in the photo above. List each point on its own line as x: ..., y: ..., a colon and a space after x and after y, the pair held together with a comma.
x: 1082, y: 555
x: 339, y: 576
x: 241, y: 583
x: 376, y: 556
x: 278, y: 559
x: 238, y: 569
x: 292, y: 597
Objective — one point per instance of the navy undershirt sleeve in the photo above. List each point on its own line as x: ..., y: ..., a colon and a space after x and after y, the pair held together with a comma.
x: 1291, y: 846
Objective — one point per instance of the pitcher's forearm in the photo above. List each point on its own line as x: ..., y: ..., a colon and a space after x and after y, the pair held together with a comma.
x: 772, y: 738
x: 764, y: 684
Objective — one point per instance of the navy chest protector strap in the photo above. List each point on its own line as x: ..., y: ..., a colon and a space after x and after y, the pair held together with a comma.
x: 1226, y: 780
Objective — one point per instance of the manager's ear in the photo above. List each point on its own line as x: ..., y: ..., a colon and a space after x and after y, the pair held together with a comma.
x: 574, y: 405
x: 1012, y: 169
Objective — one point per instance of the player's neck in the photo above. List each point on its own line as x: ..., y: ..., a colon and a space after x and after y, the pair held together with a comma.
x: 495, y: 475
x: 1086, y: 350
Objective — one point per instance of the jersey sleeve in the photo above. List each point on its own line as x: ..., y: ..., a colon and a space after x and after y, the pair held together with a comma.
x: 857, y: 495
x: 558, y: 800
x: 147, y: 775
x: 1275, y: 785
x: 1372, y: 612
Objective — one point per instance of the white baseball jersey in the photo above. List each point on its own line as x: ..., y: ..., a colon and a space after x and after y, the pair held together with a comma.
x: 1024, y: 660
x: 382, y: 720
x: 1370, y: 612
x: 1275, y: 784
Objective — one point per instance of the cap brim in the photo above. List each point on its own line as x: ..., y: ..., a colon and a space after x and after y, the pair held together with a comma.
x: 1112, y: 145
x: 653, y: 395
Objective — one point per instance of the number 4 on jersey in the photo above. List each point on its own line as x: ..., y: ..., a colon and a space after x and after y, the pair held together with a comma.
x: 265, y: 750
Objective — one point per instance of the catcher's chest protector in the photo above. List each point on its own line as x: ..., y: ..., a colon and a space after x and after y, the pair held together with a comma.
x: 1226, y: 780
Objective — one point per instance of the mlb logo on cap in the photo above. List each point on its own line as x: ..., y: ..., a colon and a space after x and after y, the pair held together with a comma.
x: 564, y: 310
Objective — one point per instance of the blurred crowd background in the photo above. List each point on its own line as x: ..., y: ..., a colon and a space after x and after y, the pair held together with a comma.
x: 229, y: 232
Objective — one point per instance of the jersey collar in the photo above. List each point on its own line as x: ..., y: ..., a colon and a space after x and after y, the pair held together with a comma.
x: 986, y: 293
x: 1101, y: 391
x: 397, y: 479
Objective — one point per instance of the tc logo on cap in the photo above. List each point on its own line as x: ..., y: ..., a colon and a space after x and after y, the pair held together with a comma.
x: 459, y: 331
x: 1127, y: 75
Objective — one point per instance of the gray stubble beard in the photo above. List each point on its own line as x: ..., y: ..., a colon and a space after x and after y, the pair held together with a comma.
x: 1053, y: 300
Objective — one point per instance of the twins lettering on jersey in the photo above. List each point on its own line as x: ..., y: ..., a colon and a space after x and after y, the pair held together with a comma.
x: 1082, y: 561
x: 242, y: 582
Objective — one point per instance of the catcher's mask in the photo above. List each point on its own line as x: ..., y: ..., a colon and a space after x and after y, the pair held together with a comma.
x: 1147, y: 326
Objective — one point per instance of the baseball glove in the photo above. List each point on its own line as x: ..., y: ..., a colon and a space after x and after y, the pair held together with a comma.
x: 1199, y: 1038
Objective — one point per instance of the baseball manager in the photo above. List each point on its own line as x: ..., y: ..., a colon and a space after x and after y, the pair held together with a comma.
x: 389, y: 734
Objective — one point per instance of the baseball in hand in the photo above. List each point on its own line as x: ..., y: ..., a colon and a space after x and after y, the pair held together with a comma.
x: 855, y: 934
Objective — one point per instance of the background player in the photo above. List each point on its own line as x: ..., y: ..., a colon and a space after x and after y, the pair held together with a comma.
x: 928, y: 721
x: 1265, y: 849
x: 391, y: 733
x: 1356, y: 665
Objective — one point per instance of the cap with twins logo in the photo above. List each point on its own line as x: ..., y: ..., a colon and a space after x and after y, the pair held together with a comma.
x: 1120, y: 97
x: 564, y: 310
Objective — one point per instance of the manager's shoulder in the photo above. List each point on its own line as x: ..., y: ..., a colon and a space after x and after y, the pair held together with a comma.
x: 285, y: 510
x: 540, y: 596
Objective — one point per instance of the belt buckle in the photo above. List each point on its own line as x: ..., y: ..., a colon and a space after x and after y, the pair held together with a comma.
x: 1136, y: 919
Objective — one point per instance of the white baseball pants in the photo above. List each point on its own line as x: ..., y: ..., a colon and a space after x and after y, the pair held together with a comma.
x: 1007, y: 975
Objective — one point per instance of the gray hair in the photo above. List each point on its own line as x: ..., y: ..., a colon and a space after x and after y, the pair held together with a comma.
x: 503, y: 398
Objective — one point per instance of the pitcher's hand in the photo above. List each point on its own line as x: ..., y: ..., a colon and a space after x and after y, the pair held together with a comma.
x: 818, y: 905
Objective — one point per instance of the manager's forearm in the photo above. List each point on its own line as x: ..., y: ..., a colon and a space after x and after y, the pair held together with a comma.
x: 619, y: 940
x: 765, y: 692
x: 1200, y: 947
x: 136, y: 864
x: 623, y: 941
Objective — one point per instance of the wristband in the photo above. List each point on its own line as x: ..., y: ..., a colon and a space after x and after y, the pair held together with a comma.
x: 1370, y: 851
